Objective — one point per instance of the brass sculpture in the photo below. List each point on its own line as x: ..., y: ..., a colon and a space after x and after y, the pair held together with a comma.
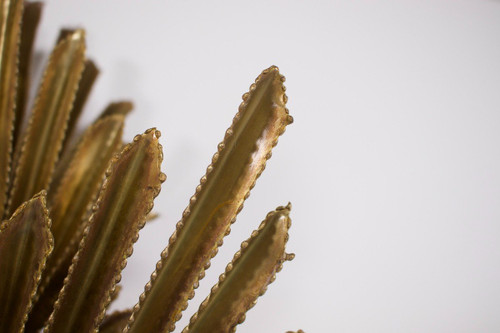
x: 66, y: 234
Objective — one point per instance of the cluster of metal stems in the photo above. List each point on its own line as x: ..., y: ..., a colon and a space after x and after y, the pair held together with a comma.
x: 72, y: 212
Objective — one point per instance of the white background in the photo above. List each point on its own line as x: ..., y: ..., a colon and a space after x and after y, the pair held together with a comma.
x: 392, y: 164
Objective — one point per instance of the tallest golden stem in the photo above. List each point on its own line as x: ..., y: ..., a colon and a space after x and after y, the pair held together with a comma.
x: 235, y: 167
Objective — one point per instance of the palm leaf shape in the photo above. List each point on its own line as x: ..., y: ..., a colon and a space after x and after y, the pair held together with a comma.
x: 71, y: 212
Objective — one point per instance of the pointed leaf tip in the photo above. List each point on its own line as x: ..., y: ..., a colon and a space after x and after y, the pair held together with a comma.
x: 27, y: 239
x: 43, y: 138
x: 133, y: 180
x: 74, y: 190
x: 246, y: 277
x: 238, y: 162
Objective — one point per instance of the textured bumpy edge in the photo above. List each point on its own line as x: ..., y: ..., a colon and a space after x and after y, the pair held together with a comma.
x: 42, y: 195
x: 72, y: 246
x: 89, y: 76
x: 180, y: 224
x: 6, y: 157
x: 31, y: 19
x: 37, y: 275
x: 108, y: 298
x: 116, y: 108
x: 162, y: 178
x: 234, y: 262
x: 116, y: 293
x: 80, y: 34
x: 59, y: 190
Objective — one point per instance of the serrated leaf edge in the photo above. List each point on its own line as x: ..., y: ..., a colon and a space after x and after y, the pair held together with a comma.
x: 180, y: 224
x: 38, y: 273
x: 107, y: 299
x: 241, y: 252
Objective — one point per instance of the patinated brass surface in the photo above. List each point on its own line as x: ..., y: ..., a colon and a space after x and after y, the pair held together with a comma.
x: 239, y: 161
x: 72, y: 209
x: 27, y: 239
x: 246, y: 277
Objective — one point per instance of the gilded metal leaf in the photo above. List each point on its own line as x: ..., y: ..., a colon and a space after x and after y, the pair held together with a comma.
x: 246, y: 277
x: 70, y: 203
x: 239, y: 161
x: 10, y: 31
x: 89, y: 76
x: 31, y: 18
x: 133, y: 180
x: 121, y: 108
x: 43, y: 139
x: 25, y: 243
x: 83, y: 178
x: 98, y: 201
